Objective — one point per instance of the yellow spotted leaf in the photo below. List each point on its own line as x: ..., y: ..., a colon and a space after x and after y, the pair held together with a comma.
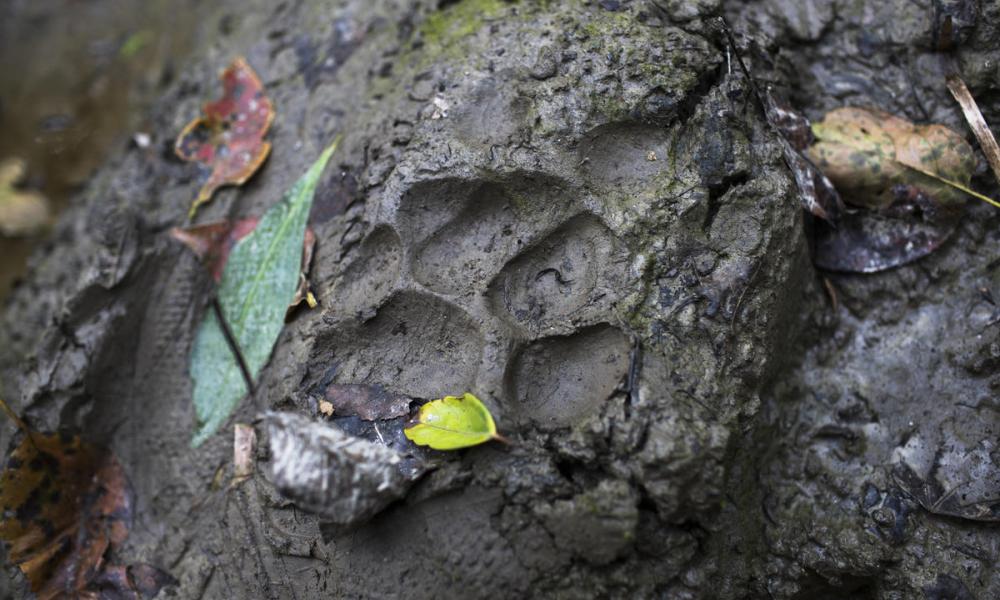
x: 453, y: 422
x: 870, y: 156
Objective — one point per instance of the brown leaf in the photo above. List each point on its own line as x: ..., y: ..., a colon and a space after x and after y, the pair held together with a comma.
x: 64, y: 502
x: 229, y: 138
x: 244, y: 453
x: 303, y: 293
x: 868, y: 241
x: 212, y: 243
x: 369, y: 402
x: 817, y: 194
x: 908, y: 181
x: 134, y: 582
x: 21, y: 212
x: 866, y: 153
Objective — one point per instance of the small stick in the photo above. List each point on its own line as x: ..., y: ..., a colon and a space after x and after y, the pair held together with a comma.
x: 976, y: 122
x: 20, y: 423
x: 13, y: 416
x: 233, y: 345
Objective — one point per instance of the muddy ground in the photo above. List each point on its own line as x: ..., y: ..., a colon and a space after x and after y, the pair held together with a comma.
x: 578, y: 212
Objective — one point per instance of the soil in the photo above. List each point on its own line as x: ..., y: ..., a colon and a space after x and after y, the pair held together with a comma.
x: 577, y: 212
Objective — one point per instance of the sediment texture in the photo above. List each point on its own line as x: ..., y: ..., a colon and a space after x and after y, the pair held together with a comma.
x: 576, y: 212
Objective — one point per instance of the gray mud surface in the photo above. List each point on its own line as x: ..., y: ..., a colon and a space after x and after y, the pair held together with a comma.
x: 577, y: 212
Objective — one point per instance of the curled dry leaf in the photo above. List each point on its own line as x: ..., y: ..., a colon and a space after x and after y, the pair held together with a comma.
x: 325, y: 470
x: 65, y: 502
x: 229, y: 137
x: 453, y: 422
x: 369, y: 402
x: 22, y: 212
x: 818, y: 194
x: 212, y: 243
x: 907, y: 183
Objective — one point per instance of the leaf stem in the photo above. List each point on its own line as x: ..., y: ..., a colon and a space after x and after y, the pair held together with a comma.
x: 233, y: 344
x: 950, y: 183
x: 503, y: 440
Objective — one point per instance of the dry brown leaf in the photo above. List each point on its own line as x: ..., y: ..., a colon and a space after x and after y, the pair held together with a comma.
x: 65, y: 503
x: 244, y: 453
x: 22, y: 212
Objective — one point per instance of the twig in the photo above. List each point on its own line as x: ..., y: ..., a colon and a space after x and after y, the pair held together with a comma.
x: 13, y: 416
x: 233, y: 345
x: 20, y: 424
x: 976, y: 122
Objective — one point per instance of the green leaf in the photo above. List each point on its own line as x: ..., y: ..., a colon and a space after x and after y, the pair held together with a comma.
x: 258, y: 283
x: 453, y: 422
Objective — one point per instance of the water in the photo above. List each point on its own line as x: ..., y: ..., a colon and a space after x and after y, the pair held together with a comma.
x: 76, y: 78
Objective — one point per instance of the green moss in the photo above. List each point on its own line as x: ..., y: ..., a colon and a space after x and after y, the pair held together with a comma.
x: 445, y: 27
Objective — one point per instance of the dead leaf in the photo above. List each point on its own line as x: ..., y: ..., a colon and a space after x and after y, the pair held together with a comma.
x: 935, y: 499
x: 244, y: 453
x: 369, y: 402
x: 303, y: 293
x: 213, y: 242
x: 22, y: 212
x: 133, y: 582
x: 327, y: 471
x: 818, y: 194
x: 867, y: 153
x: 229, y: 138
x: 65, y: 502
x: 868, y: 241
x: 908, y: 182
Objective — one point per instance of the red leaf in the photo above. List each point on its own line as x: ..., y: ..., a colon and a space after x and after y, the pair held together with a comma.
x: 212, y: 243
x: 229, y: 138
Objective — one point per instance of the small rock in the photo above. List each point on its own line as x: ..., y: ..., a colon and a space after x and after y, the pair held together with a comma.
x: 546, y: 64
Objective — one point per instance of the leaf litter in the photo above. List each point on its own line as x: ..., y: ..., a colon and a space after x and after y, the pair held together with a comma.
x: 65, y: 503
x: 259, y: 281
x: 229, y: 137
x: 22, y: 212
x: 368, y: 402
x: 904, y: 186
x: 885, y: 215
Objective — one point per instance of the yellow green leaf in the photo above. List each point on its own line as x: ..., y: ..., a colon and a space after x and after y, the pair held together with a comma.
x: 258, y: 282
x: 453, y: 422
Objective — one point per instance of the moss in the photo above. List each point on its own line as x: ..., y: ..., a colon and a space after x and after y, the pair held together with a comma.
x: 445, y: 27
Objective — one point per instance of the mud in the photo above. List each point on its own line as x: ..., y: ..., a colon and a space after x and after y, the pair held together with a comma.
x: 578, y: 213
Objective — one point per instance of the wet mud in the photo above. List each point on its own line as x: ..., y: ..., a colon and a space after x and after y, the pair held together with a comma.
x: 578, y: 212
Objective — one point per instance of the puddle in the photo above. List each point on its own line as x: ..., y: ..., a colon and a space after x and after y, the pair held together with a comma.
x: 76, y: 79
